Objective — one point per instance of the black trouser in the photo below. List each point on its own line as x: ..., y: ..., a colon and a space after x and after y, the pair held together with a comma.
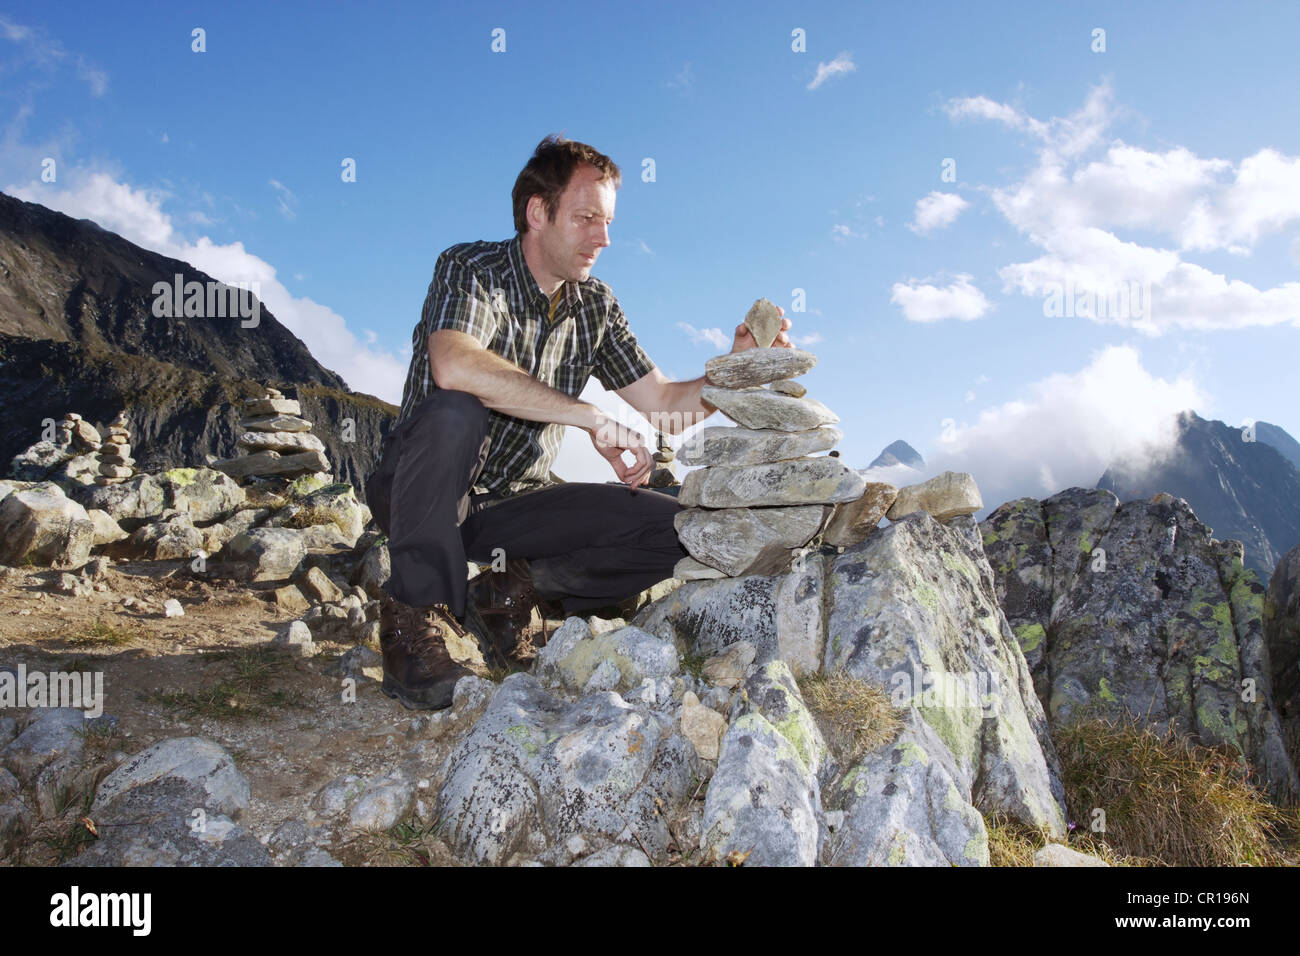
x: 588, y: 544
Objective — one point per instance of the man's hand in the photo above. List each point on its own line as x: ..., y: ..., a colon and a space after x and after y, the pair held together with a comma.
x: 611, y: 439
x: 744, y: 339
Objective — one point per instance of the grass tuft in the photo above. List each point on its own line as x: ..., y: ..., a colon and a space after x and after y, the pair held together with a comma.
x: 1169, y: 800
x: 855, y: 717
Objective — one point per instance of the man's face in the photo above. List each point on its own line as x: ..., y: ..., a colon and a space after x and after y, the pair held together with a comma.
x: 571, y: 244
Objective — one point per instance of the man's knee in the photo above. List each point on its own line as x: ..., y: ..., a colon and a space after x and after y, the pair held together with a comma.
x: 448, y: 408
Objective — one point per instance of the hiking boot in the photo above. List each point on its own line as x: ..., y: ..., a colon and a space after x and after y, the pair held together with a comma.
x: 419, y: 671
x: 515, y: 620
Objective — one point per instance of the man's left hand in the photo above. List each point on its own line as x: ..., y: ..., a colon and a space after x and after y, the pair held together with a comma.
x: 744, y: 339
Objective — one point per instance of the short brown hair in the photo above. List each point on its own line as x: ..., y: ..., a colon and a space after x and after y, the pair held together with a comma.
x: 549, y: 171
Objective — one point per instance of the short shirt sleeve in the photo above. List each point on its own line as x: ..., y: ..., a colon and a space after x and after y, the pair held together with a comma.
x: 620, y: 360
x: 458, y: 301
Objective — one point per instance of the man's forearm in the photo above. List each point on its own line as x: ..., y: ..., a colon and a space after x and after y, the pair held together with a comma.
x: 506, y: 388
x: 682, y: 407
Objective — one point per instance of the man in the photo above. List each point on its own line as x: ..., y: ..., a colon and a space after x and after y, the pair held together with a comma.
x: 509, y: 335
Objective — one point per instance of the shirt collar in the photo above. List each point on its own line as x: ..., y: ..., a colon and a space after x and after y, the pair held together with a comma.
x: 572, y: 292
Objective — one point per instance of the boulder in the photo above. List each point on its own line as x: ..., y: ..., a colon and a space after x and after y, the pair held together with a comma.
x: 764, y: 798
x: 44, y: 528
x: 202, y: 493
x: 780, y: 615
x: 174, y: 804
x: 944, y: 496
x: 908, y: 804
x: 265, y: 554
x: 1136, y: 609
x: 913, y: 609
x: 130, y: 503
x: 573, y: 655
x: 536, y: 770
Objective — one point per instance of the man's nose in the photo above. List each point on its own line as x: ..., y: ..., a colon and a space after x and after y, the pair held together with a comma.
x: 604, y: 234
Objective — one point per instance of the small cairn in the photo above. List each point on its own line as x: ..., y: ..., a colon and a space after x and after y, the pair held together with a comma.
x: 276, y: 441
x: 78, y: 434
x: 114, y: 453
x: 763, y: 495
x: 663, y: 475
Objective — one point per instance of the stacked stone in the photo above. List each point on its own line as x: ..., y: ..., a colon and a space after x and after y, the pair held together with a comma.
x: 75, y: 431
x: 663, y: 474
x: 115, y: 461
x: 762, y: 495
x: 276, y: 441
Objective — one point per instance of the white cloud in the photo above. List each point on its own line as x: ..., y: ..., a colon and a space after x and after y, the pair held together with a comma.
x: 923, y: 302
x: 1078, y: 212
x: 841, y: 232
x: 1067, y: 428
x: 49, y: 54
x: 683, y: 79
x: 841, y: 64
x: 137, y: 215
x: 715, y: 337
x: 642, y: 247
x: 803, y: 341
x: 936, y: 211
x: 286, y: 201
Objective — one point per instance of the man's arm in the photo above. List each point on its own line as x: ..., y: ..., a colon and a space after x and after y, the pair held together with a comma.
x: 673, y: 407
x: 459, y: 361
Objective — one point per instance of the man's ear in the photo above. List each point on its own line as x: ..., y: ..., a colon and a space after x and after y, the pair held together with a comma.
x: 536, y: 208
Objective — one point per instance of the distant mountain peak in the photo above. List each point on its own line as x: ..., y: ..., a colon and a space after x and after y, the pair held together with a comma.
x: 898, y: 453
x: 1245, y: 490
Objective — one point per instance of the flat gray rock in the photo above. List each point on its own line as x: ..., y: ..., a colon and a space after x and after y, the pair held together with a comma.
x: 283, y: 442
x: 800, y: 481
x: 757, y: 366
x: 764, y: 408
x: 728, y: 445
x: 747, y: 540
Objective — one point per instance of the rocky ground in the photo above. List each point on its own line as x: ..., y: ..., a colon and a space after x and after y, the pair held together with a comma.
x: 879, y: 702
x: 211, y: 674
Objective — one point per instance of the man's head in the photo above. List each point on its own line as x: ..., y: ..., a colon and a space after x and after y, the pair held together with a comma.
x: 563, y: 204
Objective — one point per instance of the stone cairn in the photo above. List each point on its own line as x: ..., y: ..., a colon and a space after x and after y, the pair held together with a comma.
x: 114, y: 454
x: 276, y: 441
x: 763, y: 495
x: 78, y: 434
x: 663, y: 475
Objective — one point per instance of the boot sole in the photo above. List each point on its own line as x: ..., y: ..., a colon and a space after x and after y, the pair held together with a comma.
x: 413, y: 701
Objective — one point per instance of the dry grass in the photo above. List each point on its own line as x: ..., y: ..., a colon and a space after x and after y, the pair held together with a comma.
x: 1168, y: 801
x: 855, y: 717
x: 309, y: 516
x: 1012, y: 843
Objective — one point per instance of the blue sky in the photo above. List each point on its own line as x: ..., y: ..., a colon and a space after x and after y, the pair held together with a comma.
x: 1165, y: 164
